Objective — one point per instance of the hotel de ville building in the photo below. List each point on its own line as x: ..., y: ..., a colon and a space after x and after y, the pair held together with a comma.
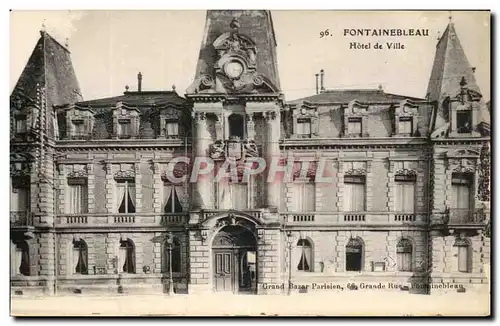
x: 93, y: 209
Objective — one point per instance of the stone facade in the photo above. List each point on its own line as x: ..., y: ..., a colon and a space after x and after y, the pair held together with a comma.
x: 364, y: 137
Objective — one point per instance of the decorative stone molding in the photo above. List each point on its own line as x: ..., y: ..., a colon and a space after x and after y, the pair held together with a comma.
x: 463, y: 166
x: 355, y: 168
x: 199, y: 117
x: 20, y: 169
x: 355, y: 111
x: 270, y: 116
x: 466, y: 101
x: 126, y: 171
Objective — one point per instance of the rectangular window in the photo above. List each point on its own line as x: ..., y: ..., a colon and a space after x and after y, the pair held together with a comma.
x: 461, y: 185
x: 405, y: 196
x: 19, y: 199
x: 464, y: 121
x: 77, y: 199
x: 124, y: 128
x: 463, y: 255
x: 79, y: 127
x: 21, y: 125
x: 171, y: 199
x: 304, y: 197
x: 125, y: 196
x: 303, y: 128
x: 406, y: 126
x: 171, y: 128
x: 354, y: 193
x: 355, y: 126
x: 239, y: 195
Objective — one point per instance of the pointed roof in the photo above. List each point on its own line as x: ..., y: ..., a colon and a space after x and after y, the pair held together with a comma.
x: 48, y: 66
x: 450, y: 66
x: 253, y: 25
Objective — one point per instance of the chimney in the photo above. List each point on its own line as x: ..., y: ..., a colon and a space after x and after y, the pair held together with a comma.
x: 317, y: 83
x: 139, y: 81
x: 322, y: 73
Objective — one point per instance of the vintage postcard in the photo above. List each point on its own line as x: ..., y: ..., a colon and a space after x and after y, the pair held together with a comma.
x: 250, y: 163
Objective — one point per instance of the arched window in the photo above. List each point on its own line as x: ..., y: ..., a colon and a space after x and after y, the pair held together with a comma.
x: 354, y: 255
x: 80, y: 257
x: 176, y: 257
x: 236, y: 126
x: 127, y: 257
x: 404, y: 252
x: 305, y: 250
x: 22, y: 258
x: 463, y: 255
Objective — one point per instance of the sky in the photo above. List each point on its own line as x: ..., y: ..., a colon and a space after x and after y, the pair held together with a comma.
x: 109, y: 48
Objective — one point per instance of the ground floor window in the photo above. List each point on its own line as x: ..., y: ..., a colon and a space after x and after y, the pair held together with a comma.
x: 354, y: 255
x: 127, y: 257
x: 404, y: 252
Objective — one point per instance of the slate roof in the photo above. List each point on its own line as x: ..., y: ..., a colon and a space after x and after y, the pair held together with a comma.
x: 49, y: 65
x: 450, y: 65
x: 347, y: 95
x: 138, y: 99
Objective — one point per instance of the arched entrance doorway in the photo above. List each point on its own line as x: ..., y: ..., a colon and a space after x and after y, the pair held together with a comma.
x: 234, y: 264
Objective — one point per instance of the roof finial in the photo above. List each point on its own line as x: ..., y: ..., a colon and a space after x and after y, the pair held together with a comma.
x: 173, y: 88
x: 380, y: 87
x: 450, y: 17
x: 463, y: 82
x: 235, y: 24
x: 44, y: 28
x: 439, y: 36
x: 66, y: 42
x: 126, y: 88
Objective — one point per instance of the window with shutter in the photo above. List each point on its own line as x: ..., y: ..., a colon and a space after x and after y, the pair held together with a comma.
x: 303, y: 128
x: 77, y: 199
x: 354, y: 194
x: 404, y: 251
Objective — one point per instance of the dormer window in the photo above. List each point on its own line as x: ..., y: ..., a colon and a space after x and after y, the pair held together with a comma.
x: 305, y: 121
x: 21, y: 124
x: 355, y: 126
x: 79, y: 122
x: 79, y: 128
x: 171, y: 128
x: 124, y: 128
x: 406, y: 126
x: 303, y: 128
x: 125, y: 121
x: 464, y: 122
x: 356, y: 119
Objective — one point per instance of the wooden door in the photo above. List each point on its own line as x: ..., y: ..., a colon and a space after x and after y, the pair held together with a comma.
x: 223, y: 270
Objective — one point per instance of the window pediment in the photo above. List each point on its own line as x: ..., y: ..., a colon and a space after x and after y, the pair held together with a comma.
x: 463, y: 153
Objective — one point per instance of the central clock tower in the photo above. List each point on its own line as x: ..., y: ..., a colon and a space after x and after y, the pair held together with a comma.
x: 237, y: 106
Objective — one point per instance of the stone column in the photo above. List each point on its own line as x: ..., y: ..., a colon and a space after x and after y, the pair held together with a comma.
x: 157, y: 188
x: 199, y: 264
x: 138, y: 187
x: 250, y: 127
x: 90, y: 188
x: 272, y: 152
x: 269, y: 258
x: 202, y: 186
x: 110, y: 182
